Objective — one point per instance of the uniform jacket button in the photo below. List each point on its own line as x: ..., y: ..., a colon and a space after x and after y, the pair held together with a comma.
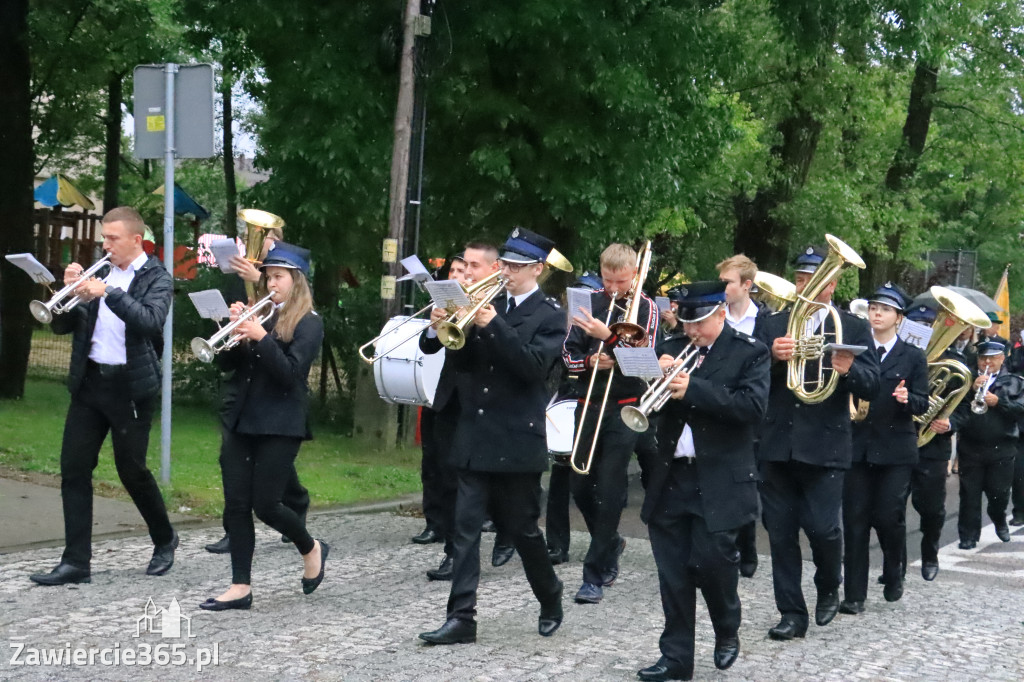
x: 486, y: 389
x: 480, y: 411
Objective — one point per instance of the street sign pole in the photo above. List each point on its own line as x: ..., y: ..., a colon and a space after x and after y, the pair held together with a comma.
x: 170, y: 71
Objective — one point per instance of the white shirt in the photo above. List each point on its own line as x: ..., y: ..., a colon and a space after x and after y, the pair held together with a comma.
x: 745, y: 323
x: 522, y: 297
x: 108, y: 336
x: 887, y: 346
x: 685, y: 446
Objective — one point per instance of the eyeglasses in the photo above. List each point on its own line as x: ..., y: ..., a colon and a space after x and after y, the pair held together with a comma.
x: 513, y: 267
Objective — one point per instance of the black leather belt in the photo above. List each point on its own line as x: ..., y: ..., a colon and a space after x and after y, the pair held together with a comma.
x: 685, y: 461
x: 106, y: 371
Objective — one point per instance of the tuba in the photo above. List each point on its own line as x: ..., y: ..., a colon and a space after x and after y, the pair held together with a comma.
x: 774, y: 292
x: 258, y: 225
x: 810, y: 346
x: 949, y: 381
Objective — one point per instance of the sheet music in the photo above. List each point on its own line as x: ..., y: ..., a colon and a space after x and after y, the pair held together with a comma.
x: 223, y: 250
x: 416, y: 270
x: 638, y: 362
x: 36, y: 270
x: 849, y: 348
x: 577, y: 298
x: 210, y: 304
x: 915, y: 333
x: 447, y: 293
x: 663, y: 303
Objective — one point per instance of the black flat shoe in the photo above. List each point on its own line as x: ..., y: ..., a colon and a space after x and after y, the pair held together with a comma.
x: 310, y: 584
x: 851, y: 608
x: 748, y: 568
x: 454, y: 631
x: 222, y: 546
x: 608, y: 577
x: 727, y: 650
x: 63, y: 574
x: 551, y: 614
x: 444, y: 571
x: 163, y: 557
x: 488, y: 527
x: 557, y: 556
x: 786, y: 630
x: 967, y: 544
x: 242, y: 603
x: 826, y: 608
x: 501, y: 555
x: 893, y: 592
x: 929, y: 570
x: 428, y: 536
x: 664, y: 669
x: 1003, y: 533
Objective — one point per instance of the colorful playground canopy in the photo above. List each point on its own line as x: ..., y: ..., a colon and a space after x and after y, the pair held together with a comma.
x: 59, y: 190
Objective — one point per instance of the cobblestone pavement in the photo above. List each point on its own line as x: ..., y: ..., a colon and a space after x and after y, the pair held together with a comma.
x: 362, y: 623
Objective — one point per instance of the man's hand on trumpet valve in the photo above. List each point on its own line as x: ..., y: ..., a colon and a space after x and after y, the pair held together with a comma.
x: 667, y: 362
x: 991, y: 399
x: 591, y: 325
x: 90, y: 289
x: 939, y: 426
x: 782, y: 348
x: 72, y: 273
x: 484, y: 316
x: 601, y: 361
x: 677, y: 387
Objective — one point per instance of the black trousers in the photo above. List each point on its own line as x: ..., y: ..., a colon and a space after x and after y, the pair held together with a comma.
x: 295, y: 497
x: 254, y: 470
x: 802, y: 496
x: 439, y: 477
x: 556, y: 515
x: 689, y: 555
x: 516, y: 508
x: 874, y: 496
x: 100, y: 407
x: 992, y: 477
x: 928, y: 495
x: 1017, y: 489
x: 600, y: 494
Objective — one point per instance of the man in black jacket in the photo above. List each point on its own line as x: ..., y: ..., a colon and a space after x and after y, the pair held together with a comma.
x: 500, y: 447
x: 803, y: 452
x: 114, y: 382
x: 987, y: 443
x: 703, y: 487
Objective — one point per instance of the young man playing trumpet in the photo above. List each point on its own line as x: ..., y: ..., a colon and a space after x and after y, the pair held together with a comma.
x: 114, y: 382
x: 703, y: 487
x: 600, y: 493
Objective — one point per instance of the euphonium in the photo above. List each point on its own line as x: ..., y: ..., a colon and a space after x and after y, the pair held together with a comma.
x: 44, y: 312
x: 949, y: 380
x: 638, y: 418
x: 773, y: 291
x: 810, y: 346
x: 257, y: 225
x: 205, y: 349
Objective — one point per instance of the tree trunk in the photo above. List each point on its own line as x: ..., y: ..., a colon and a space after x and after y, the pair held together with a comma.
x: 230, y: 188
x: 112, y: 153
x: 16, y: 176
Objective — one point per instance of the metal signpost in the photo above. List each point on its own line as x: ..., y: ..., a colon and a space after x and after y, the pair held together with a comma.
x: 173, y: 119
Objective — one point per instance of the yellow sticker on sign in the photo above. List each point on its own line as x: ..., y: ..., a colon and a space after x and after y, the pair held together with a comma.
x: 155, y: 124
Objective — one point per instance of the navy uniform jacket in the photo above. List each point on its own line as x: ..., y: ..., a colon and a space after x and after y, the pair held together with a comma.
x: 444, y: 394
x: 501, y: 376
x: 815, y: 434
x: 723, y: 405
x: 888, y: 435
x: 268, y: 390
x: 991, y: 436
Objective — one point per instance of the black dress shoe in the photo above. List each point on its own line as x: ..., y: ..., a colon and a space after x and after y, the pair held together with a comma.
x: 444, y: 571
x: 454, y: 631
x: 428, y: 536
x: 488, y: 527
x: 727, y: 649
x: 851, y: 608
x: 243, y: 603
x: 609, y: 576
x: 967, y: 544
x: 222, y: 546
x: 501, y: 555
x: 826, y: 608
x: 748, y: 568
x: 62, y: 575
x: 1017, y: 519
x: 557, y: 556
x: 1003, y: 533
x: 551, y: 614
x: 929, y: 570
x: 163, y: 557
x: 310, y: 584
x: 881, y: 579
x: 893, y: 591
x: 665, y: 669
x: 787, y: 629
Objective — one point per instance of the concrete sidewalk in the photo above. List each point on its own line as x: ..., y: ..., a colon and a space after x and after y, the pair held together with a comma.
x: 363, y: 621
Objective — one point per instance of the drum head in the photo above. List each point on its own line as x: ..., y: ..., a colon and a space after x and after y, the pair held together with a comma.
x: 561, y: 427
x: 406, y: 375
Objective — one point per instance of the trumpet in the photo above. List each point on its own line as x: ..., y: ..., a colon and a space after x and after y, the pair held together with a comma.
x: 978, y: 405
x: 638, y: 418
x: 44, y: 312
x: 225, y: 338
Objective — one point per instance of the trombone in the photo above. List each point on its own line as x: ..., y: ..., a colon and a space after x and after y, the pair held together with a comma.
x: 44, y: 312
x: 638, y: 418
x: 452, y: 331
x: 225, y: 338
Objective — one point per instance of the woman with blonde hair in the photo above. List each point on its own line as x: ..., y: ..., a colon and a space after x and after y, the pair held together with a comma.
x: 267, y: 421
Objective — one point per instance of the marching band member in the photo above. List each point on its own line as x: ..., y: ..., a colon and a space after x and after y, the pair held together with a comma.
x: 803, y: 453
x: 599, y: 494
x: 703, y: 487
x: 437, y: 427
x: 500, y: 447
x: 267, y: 422
x: 987, y: 443
x: 876, y: 486
x: 114, y: 381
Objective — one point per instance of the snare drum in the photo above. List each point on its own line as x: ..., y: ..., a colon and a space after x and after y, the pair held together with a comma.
x: 561, y: 426
x: 406, y: 375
